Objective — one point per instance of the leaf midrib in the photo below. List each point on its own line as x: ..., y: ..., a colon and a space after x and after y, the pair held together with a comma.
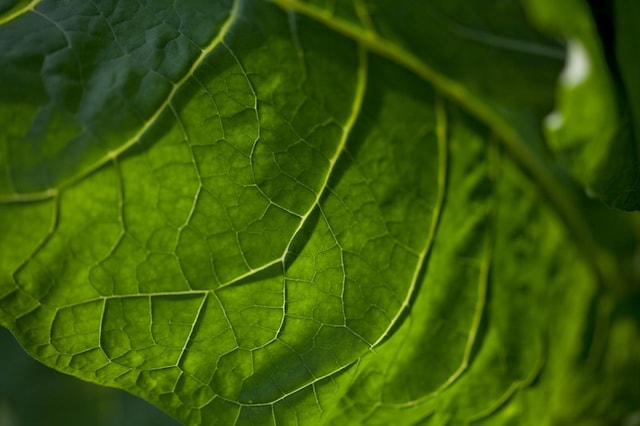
x: 562, y: 197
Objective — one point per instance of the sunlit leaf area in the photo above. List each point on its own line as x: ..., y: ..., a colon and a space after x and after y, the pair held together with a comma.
x: 310, y: 212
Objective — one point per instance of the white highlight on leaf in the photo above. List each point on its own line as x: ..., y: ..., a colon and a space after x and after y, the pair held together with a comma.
x: 576, y: 71
x: 554, y: 121
x: 578, y: 65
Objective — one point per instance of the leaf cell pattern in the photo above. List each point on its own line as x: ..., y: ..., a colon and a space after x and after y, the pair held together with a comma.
x: 271, y: 212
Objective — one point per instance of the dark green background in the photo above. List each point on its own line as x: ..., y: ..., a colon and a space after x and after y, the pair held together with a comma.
x: 34, y: 395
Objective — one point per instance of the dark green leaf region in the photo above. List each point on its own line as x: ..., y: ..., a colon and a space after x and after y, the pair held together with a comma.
x: 313, y: 212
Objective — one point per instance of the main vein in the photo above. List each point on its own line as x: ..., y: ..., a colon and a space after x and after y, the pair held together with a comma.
x: 561, y: 196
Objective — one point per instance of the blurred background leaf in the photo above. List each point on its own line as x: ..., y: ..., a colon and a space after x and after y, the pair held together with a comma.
x: 32, y: 394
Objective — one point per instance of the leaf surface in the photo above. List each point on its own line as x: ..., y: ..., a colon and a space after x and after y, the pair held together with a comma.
x: 304, y: 212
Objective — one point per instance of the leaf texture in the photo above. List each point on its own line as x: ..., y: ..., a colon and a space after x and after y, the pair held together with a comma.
x: 298, y: 212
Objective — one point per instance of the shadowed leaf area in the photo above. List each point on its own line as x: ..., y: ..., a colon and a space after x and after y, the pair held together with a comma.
x: 321, y: 212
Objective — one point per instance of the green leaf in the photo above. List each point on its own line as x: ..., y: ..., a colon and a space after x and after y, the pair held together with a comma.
x: 590, y: 129
x: 318, y: 212
x: 33, y: 394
